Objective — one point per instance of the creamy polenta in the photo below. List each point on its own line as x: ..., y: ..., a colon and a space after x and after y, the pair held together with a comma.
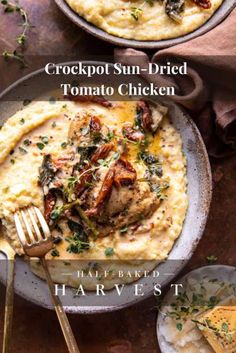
x: 110, y: 179
x: 146, y: 19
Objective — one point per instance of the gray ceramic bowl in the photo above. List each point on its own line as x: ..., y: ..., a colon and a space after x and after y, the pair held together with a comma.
x: 199, y: 193
x: 218, y: 17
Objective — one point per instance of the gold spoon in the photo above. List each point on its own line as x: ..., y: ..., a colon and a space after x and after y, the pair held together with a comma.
x: 6, y: 249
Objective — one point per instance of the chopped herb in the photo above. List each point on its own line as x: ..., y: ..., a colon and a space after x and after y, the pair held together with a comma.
x: 22, y: 150
x: 179, y: 326
x: 40, y: 145
x: 55, y: 253
x: 225, y: 327
x: 156, y: 169
x: 72, y: 181
x: 124, y: 229
x: 64, y: 106
x: 109, y: 251
x: 12, y: 161
x: 44, y: 139
x: 153, y: 164
x: 64, y: 145
x: 85, y: 154
x: 22, y: 121
x: 27, y: 142
x: 56, y: 213
x: 148, y: 158
x: 78, y: 243
x: 229, y: 337
x: 136, y: 12
x: 54, y: 124
x: 110, y: 135
x: 158, y: 188
x: 211, y: 259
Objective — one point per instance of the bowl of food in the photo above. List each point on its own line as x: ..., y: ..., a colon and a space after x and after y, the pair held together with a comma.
x: 124, y: 185
x: 146, y: 24
x: 202, y: 317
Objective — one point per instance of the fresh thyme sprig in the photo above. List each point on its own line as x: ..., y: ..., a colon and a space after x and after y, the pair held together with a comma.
x: 14, y: 55
x: 10, y: 7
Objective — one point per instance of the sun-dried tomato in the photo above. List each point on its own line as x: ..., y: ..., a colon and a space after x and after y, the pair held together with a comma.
x: 95, y: 124
x: 49, y: 204
x: 106, y: 188
x: 102, y: 152
x: 61, y: 161
x: 132, y: 134
x: 205, y: 4
x: 120, y: 174
x: 146, y: 115
x: 125, y: 174
x: 87, y: 173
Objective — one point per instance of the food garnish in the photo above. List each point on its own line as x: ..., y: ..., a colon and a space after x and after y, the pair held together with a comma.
x: 10, y: 7
x: 211, y: 259
x: 136, y: 12
x: 55, y: 253
x: 82, y: 186
x: 109, y: 251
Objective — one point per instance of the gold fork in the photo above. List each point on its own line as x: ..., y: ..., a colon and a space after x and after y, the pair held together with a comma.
x: 36, y: 240
x: 6, y: 249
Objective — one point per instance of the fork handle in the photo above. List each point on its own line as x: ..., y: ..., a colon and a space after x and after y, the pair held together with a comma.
x: 63, y: 320
x: 8, y: 305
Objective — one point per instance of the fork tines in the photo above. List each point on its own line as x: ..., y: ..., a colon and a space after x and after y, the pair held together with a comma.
x: 31, y: 226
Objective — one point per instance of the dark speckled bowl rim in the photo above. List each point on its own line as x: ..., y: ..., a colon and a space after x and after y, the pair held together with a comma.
x: 218, y: 17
